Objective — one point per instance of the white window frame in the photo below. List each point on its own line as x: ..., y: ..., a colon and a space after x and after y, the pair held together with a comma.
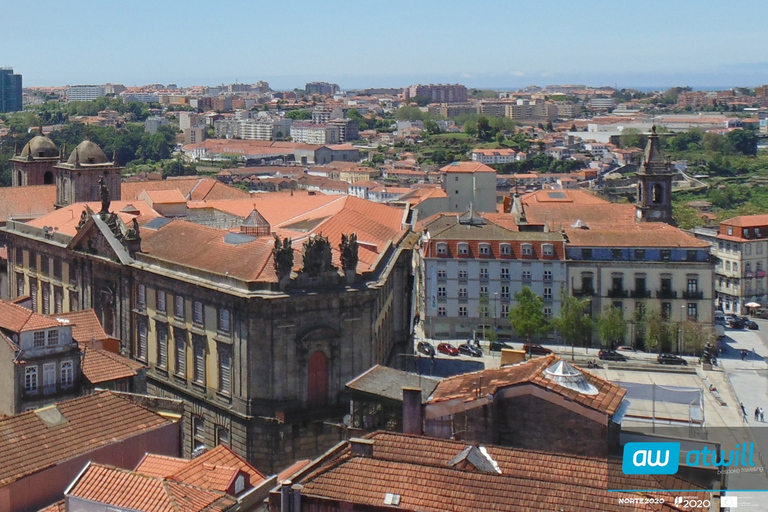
x: 225, y: 320
x: 485, y: 249
x: 53, y: 337
x: 463, y: 312
x: 547, y: 249
x: 198, y: 349
x: 30, y: 380
x: 441, y: 311
x: 442, y: 248
x: 463, y: 248
x: 180, y: 352
x: 505, y: 249
x: 161, y: 302
x: 67, y: 374
x: 49, y: 378
x: 178, y: 306
x: 38, y: 339
x: 198, y: 312
x: 527, y: 249
x: 162, y: 347
x: 141, y: 343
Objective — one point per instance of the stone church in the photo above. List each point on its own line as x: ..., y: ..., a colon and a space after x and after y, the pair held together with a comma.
x: 255, y: 318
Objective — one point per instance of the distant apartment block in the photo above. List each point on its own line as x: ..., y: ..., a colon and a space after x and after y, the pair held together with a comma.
x: 531, y: 112
x: 194, y: 134
x: 324, y: 113
x: 253, y: 129
x: 113, y: 89
x: 10, y: 91
x: 494, y: 156
x: 153, y: 123
x: 188, y: 120
x: 311, y: 133
x: 85, y: 92
x: 448, y: 93
x: 323, y: 88
x: 141, y: 97
x: 452, y: 109
x: 602, y: 104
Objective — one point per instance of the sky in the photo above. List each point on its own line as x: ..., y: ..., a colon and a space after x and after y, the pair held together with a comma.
x: 387, y: 43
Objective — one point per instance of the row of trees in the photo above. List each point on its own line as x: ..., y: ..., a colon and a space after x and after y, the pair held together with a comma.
x: 576, y: 326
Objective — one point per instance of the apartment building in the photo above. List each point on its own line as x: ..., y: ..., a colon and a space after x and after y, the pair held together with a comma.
x: 85, y: 92
x: 312, y: 133
x: 437, y: 93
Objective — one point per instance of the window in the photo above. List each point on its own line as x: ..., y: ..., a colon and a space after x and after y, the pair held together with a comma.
x: 141, y: 297
x: 693, y: 311
x: 639, y: 254
x: 44, y: 265
x: 441, y: 274
x: 72, y: 273
x: 441, y: 292
x: 485, y: 249
x: 735, y: 267
x: 74, y: 301
x: 666, y: 310
x: 527, y: 249
x: 67, y: 374
x: 483, y: 292
x: 547, y: 275
x: 442, y: 248
x: 548, y: 249
x: 49, y: 378
x: 616, y: 254
x: 224, y: 320
x: 161, y: 302
x: 53, y: 337
x: 222, y: 436
x: 141, y: 346
x: 46, y: 299
x: 30, y: 380
x: 441, y: 311
x: 197, y: 313
x: 505, y: 249
x: 463, y: 248
x: 463, y: 311
x: 38, y: 339
x: 483, y: 272
x: 199, y: 354
x: 58, y: 299
x: 178, y: 305
x: 759, y: 248
x: 180, y: 351
x: 33, y: 294
x: 547, y: 293
x: 482, y: 311
x: 505, y: 309
x: 526, y: 275
x: 586, y: 254
x: 729, y: 230
x: 727, y: 265
x: 639, y: 309
x: 548, y: 312
x: 462, y: 274
x: 19, y: 257
x: 32, y: 260
x: 19, y: 285
x: 617, y: 283
x: 693, y: 285
x: 225, y: 369
x: 505, y: 292
x: 747, y: 250
x: 462, y: 293
x: 505, y: 272
x: 747, y: 268
x: 198, y: 433
x: 666, y: 254
x: 57, y: 268
x: 162, y: 347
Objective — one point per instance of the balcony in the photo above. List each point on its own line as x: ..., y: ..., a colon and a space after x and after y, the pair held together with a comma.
x: 618, y: 293
x: 749, y: 274
x: 641, y: 294
x: 666, y: 294
x: 693, y: 295
x: 760, y: 273
x: 583, y: 292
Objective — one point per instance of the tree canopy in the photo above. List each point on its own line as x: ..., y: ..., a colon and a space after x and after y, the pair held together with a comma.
x: 574, y: 323
x: 527, y: 317
x: 611, y: 327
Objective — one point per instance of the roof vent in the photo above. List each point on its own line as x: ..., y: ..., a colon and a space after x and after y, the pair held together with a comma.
x: 361, y: 447
x: 392, y: 499
x: 51, y: 416
x: 567, y: 376
x: 477, y: 458
x: 580, y: 224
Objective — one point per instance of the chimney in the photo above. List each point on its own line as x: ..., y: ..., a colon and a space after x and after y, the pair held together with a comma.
x: 297, y: 488
x: 412, y: 420
x: 361, y: 447
x: 286, y: 503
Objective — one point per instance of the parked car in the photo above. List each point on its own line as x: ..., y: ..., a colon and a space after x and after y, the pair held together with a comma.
x: 729, y: 319
x: 426, y: 348
x: 671, y: 359
x: 470, y: 350
x: 751, y: 324
x: 736, y: 323
x: 496, y: 346
x: 610, y: 355
x: 447, y: 349
x: 536, y: 349
x: 626, y: 348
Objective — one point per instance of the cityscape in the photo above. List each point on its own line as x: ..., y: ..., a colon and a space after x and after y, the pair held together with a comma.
x: 346, y: 286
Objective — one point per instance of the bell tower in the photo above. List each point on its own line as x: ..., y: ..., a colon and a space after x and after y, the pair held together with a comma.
x: 654, y: 184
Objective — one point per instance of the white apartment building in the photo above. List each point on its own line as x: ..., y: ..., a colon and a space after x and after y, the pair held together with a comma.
x: 85, y: 92
x: 188, y: 120
x: 312, y: 133
x: 494, y: 156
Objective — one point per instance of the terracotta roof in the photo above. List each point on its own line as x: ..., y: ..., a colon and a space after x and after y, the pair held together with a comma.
x: 160, y: 465
x: 26, y: 202
x: 86, y: 326
x: 293, y: 469
x: 66, y: 219
x: 59, y: 506
x: 464, y: 387
x: 17, y: 319
x: 207, y: 471
x: 92, y: 421
x: 108, y: 485
x: 467, y: 167
x: 172, y: 196
x: 104, y: 366
x: 746, y: 221
x: 213, y: 189
x: 635, y: 234
x: 401, y: 464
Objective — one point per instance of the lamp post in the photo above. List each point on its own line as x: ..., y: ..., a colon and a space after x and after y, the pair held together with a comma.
x: 680, y: 335
x: 496, y: 313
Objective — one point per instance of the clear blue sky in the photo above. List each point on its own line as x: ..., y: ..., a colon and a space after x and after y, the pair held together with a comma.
x: 387, y: 43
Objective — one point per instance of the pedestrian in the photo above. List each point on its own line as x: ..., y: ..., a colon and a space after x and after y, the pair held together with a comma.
x: 743, y: 355
x: 757, y: 413
x: 743, y: 413
x: 762, y: 415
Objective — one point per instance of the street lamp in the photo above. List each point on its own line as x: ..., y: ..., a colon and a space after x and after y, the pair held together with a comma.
x: 680, y: 335
x: 496, y: 313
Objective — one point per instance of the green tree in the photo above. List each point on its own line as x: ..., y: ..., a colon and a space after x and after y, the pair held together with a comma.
x: 431, y: 127
x: 632, y: 138
x: 686, y: 217
x: 743, y: 141
x: 611, y: 327
x: 574, y: 323
x: 299, y: 115
x: 527, y: 317
x: 658, y: 332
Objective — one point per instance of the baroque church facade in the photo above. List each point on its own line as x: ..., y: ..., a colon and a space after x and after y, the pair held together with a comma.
x: 257, y: 331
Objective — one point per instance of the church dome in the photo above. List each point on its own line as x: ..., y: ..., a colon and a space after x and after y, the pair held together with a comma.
x: 88, y: 153
x: 40, y: 147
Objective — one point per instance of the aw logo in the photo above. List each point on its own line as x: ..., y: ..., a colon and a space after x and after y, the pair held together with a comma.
x: 651, y: 458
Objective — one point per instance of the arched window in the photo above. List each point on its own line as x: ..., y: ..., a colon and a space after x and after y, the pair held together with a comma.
x: 317, y: 379
x: 48, y: 178
x: 19, y: 183
x: 106, y: 310
x: 658, y: 193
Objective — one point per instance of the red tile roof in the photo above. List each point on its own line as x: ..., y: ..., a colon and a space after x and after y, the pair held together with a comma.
x: 635, y: 234
x: 26, y: 202
x: 209, y: 470
x: 204, y: 188
x: 92, y: 421
x: 66, y: 219
x: 59, y: 506
x: 746, y: 221
x: 86, y: 326
x: 464, y: 387
x: 127, y: 489
x: 160, y: 465
x: 172, y: 196
x: 467, y: 167
x: 18, y: 319
x: 103, y: 366
x: 402, y: 464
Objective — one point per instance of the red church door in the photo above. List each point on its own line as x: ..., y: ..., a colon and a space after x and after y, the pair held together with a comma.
x: 317, y: 381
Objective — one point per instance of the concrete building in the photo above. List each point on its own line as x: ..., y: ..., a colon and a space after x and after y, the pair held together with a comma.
x: 469, y: 185
x: 311, y: 133
x: 10, y: 91
x: 84, y: 92
x: 153, y: 123
x: 194, y: 134
x: 437, y: 93
x: 471, y: 267
x: 188, y: 120
x: 322, y: 88
x: 494, y: 156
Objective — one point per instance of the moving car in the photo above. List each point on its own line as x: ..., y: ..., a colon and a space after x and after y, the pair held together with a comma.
x: 447, y: 349
x: 496, y: 346
x: 536, y: 349
x: 610, y: 355
x: 425, y: 348
x: 469, y: 350
x: 671, y: 359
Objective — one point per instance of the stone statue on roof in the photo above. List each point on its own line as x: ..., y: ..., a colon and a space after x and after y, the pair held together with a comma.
x: 282, y: 256
x: 348, y: 249
x: 317, y: 256
x: 104, y: 196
